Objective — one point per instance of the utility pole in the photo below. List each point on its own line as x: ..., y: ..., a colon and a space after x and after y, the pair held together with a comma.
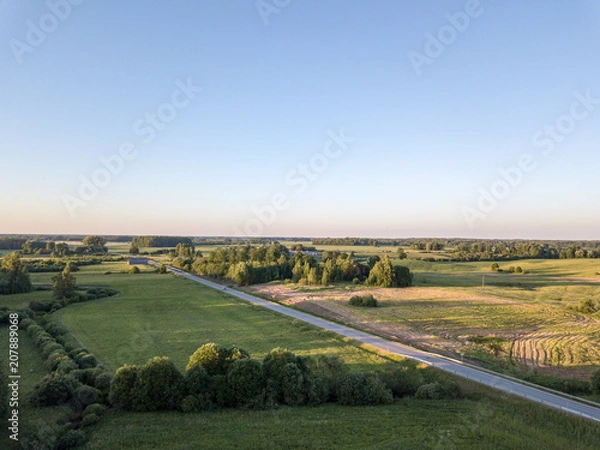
x: 483, y: 281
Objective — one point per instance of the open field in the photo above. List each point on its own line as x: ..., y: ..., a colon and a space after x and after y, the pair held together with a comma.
x: 162, y: 315
x: 166, y: 315
x: 533, y: 315
x: 480, y: 423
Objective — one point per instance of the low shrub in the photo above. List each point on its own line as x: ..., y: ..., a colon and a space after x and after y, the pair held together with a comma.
x: 52, y: 390
x: 431, y: 391
x: 86, y: 395
x: 365, y: 300
x: 89, y: 420
x: 71, y: 439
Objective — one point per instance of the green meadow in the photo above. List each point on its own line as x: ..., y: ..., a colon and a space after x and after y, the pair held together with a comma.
x: 168, y: 316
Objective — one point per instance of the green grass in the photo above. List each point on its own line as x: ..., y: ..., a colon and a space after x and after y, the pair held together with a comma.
x: 488, y: 423
x: 163, y: 315
x: 32, y: 370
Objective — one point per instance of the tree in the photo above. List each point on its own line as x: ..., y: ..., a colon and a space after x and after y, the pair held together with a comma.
x: 361, y: 389
x: 14, y: 278
x: 246, y: 380
x: 159, y: 386
x: 384, y: 274
x: 401, y: 253
x: 64, y: 284
x: 215, y: 358
x: 95, y: 244
x: 495, y: 267
x: 122, y: 385
x: 134, y: 249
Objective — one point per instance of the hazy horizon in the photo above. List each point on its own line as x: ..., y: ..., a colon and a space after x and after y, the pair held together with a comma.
x: 470, y: 118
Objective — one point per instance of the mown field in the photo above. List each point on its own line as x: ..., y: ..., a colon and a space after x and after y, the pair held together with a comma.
x: 165, y: 315
x: 534, y: 316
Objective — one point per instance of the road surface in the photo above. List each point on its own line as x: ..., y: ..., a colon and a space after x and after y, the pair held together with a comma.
x: 506, y: 385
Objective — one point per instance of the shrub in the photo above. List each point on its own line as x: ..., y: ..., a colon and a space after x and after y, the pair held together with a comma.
x: 66, y: 366
x: 85, y: 360
x: 95, y: 408
x: 495, y: 267
x: 102, y: 381
x: 52, y: 390
x: 359, y: 389
x: 404, y: 380
x: 288, y: 377
x: 216, y: 359
x: 246, y: 379
x: 121, y: 388
x: 162, y: 269
x: 56, y: 329
x: 197, y: 381
x: 90, y: 419
x: 71, y: 439
x: 87, y: 395
x: 431, y: 391
x: 34, y: 330
x: 55, y: 358
x: 366, y: 300
x: 24, y: 324
x: 190, y: 404
x: 518, y: 269
x: 134, y: 270
x: 51, y: 347
x: 159, y: 386
x: 220, y: 391
x: 330, y: 370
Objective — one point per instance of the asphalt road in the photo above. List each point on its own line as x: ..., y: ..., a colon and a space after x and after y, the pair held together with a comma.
x: 512, y: 387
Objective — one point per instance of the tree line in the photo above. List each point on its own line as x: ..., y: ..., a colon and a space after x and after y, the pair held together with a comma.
x: 220, y: 377
x: 159, y: 241
x: 246, y: 265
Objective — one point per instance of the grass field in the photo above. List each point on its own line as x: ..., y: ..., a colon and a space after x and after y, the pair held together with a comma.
x: 165, y: 315
x: 484, y: 423
x: 534, y: 315
x: 162, y: 315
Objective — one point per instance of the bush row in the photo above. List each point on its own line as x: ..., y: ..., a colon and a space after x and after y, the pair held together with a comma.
x: 76, y: 381
x: 53, y: 305
x: 218, y: 377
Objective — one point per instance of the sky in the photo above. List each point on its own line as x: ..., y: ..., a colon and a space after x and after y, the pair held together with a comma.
x: 300, y: 118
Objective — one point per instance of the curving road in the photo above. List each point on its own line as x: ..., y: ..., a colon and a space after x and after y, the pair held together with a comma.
x: 512, y: 387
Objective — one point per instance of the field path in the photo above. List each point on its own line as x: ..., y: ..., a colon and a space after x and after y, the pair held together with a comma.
x: 504, y: 384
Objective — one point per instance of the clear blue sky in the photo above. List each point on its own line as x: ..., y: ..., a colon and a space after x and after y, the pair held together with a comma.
x: 428, y: 138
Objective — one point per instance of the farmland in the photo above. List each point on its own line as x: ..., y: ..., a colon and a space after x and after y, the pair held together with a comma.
x: 533, y: 316
x: 166, y: 315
